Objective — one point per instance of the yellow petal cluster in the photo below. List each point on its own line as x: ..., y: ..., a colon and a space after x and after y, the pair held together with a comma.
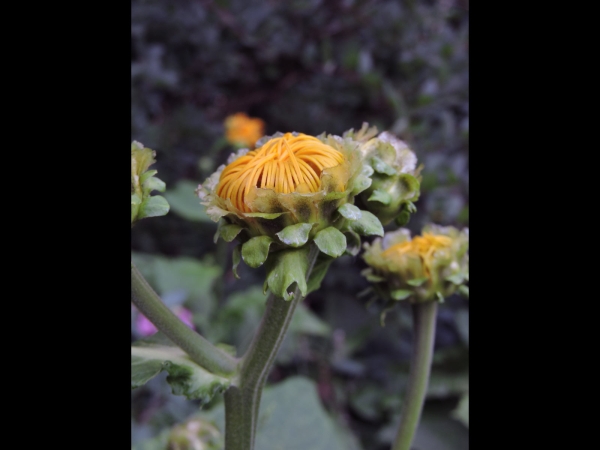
x: 286, y: 164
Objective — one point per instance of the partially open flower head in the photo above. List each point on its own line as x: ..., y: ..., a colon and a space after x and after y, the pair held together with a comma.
x: 396, y: 179
x: 143, y: 182
x: 292, y: 190
x: 243, y: 131
x: 428, y: 267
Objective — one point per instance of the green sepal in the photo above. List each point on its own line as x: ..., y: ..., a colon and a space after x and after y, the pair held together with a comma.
x: 331, y: 241
x: 135, y: 206
x: 350, y: 212
x: 151, y: 356
x: 370, y: 276
x: 352, y: 242
x: 361, y: 183
x: 237, y: 257
x: 146, y: 175
x: 154, y: 184
x: 381, y: 197
x: 269, y: 216
x: 256, y: 250
x: 457, y: 278
x: 439, y: 296
x: 410, y: 185
x: 464, y: 290
x: 382, y: 167
x: 367, y: 224
x: 417, y: 281
x: 229, y: 231
x: 153, y: 207
x: 403, y: 218
x: 295, y: 235
x: 318, y: 273
x: 400, y: 294
x: 286, y: 267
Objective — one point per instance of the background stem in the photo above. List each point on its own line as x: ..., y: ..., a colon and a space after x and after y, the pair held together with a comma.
x: 199, y: 349
x: 424, y: 319
x: 242, y: 402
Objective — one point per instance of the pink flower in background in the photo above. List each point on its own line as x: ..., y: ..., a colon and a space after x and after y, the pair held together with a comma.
x: 146, y: 328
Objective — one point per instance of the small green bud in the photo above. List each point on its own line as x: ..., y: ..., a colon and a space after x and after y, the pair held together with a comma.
x: 143, y: 182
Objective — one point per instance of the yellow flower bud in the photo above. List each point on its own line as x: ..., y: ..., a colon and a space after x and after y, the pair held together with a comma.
x: 428, y: 267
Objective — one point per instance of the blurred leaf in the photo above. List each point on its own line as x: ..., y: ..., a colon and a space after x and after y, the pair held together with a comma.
x: 194, y: 278
x: 462, y: 410
x: 291, y: 417
x: 151, y: 356
x: 186, y: 203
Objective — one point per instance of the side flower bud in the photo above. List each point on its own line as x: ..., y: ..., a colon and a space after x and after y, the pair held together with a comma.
x: 291, y: 191
x: 426, y: 268
x: 396, y: 177
x: 143, y: 182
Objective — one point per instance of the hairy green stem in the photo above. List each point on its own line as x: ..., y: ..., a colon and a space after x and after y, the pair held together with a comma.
x: 242, y: 402
x: 424, y: 318
x: 199, y: 349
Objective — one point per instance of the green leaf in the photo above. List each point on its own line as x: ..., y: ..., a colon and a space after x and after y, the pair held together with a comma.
x: 350, y: 212
x: 295, y: 235
x: 382, y: 167
x: 151, y: 356
x: 256, y: 250
x: 464, y: 290
x: 462, y: 410
x: 367, y: 225
x: 185, y: 203
x: 153, y: 207
x: 229, y: 231
x: 417, y: 281
x: 331, y: 241
x: 237, y: 257
x: 380, y: 196
x: 401, y: 294
x: 285, y: 268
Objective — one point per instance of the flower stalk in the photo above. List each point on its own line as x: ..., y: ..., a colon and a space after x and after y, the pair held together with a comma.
x: 424, y: 320
x: 199, y: 349
x: 242, y: 402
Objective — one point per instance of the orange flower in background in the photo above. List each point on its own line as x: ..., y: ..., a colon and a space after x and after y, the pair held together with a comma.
x: 243, y: 131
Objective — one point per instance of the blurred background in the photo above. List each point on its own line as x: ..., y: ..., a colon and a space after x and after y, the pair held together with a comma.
x: 308, y: 66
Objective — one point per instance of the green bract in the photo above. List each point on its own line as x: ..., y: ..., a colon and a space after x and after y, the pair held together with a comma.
x: 427, y: 268
x: 272, y: 222
x: 143, y: 182
x: 395, y: 178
